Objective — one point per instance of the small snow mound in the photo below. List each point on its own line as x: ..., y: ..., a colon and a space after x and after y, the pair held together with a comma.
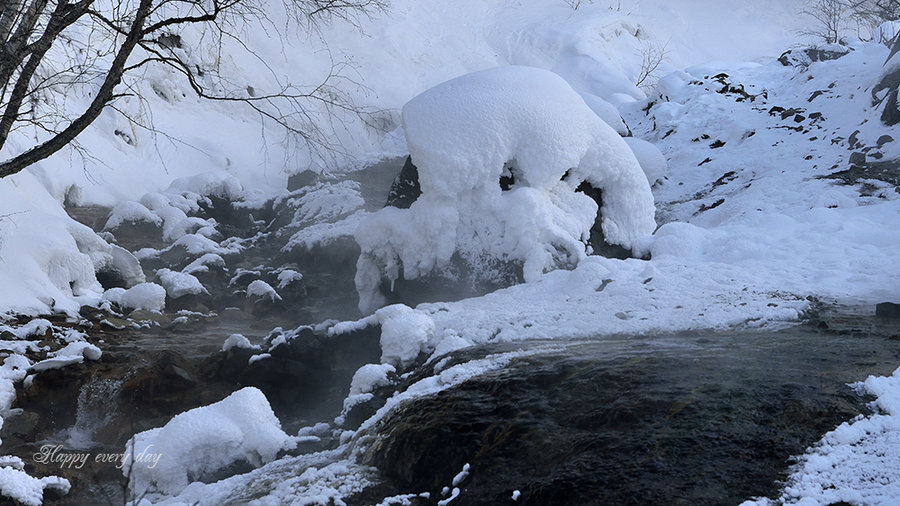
x: 241, y: 427
x: 18, y: 486
x: 145, y: 296
x: 179, y: 284
x: 263, y: 290
x: 370, y: 377
x: 238, y: 341
x: 405, y: 333
x: 130, y: 212
x: 213, y: 184
x: 80, y: 349
x: 649, y: 157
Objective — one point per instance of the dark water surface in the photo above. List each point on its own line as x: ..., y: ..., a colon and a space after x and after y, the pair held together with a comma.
x: 683, y: 419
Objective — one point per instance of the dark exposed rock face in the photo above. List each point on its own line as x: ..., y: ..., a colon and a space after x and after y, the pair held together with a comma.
x: 405, y: 189
x: 885, y: 92
x: 803, y: 57
x: 307, y: 376
x: 887, y: 310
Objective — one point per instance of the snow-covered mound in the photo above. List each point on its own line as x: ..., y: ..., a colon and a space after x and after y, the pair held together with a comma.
x: 241, y: 427
x: 465, y: 134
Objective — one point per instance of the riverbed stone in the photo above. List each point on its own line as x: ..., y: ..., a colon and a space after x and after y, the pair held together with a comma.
x: 887, y: 310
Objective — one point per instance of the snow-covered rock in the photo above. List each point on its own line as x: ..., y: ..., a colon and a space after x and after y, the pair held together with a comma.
x: 146, y: 296
x: 179, y: 284
x: 463, y: 135
x: 241, y: 427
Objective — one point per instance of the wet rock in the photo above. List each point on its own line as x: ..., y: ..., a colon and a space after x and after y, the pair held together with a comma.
x: 124, y: 271
x: 142, y: 315
x: 302, y: 180
x: 231, y: 220
x: 887, y: 310
x: 405, y: 189
x: 307, y: 374
x: 134, y: 235
x: 803, y: 57
x: 857, y: 158
x: 885, y: 92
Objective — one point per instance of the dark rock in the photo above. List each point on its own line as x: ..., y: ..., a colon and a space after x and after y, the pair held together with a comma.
x: 134, y: 235
x: 308, y: 375
x: 884, y: 139
x: 883, y: 170
x: 857, y: 158
x: 787, y: 113
x: 853, y: 140
x: 302, y: 179
x: 803, y: 57
x: 887, y: 310
x: 231, y: 220
x: 405, y: 189
x: 717, y: 144
x: 598, y: 240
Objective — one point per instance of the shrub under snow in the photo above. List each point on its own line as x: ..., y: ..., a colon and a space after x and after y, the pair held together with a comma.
x: 461, y: 134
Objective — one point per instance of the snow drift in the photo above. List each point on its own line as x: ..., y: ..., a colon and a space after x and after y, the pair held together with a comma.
x: 525, y: 123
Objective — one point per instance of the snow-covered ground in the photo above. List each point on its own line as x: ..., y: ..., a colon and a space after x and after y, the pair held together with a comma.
x: 749, y: 231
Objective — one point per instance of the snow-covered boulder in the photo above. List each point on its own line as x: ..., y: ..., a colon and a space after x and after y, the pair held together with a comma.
x: 241, y: 427
x: 526, y: 124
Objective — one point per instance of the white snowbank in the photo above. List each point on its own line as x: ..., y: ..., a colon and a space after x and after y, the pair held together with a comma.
x: 461, y: 134
x: 241, y: 427
x: 49, y: 260
x: 651, y: 159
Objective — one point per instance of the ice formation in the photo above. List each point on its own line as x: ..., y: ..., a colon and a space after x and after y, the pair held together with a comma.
x: 463, y: 135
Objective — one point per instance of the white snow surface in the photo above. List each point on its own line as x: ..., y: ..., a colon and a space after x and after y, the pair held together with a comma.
x: 241, y: 427
x: 369, y: 377
x: 179, y: 284
x: 146, y: 296
x: 460, y: 135
x: 263, y: 290
x: 27, y: 490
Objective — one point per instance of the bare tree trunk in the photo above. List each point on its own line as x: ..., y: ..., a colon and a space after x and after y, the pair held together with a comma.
x: 103, y: 96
